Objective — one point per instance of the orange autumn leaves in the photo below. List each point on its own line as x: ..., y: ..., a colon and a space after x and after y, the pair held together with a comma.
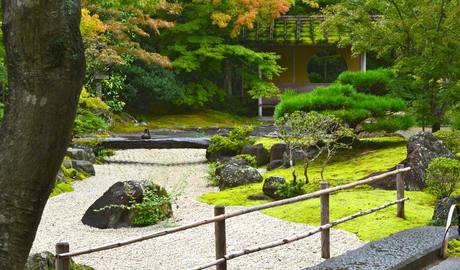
x: 245, y: 13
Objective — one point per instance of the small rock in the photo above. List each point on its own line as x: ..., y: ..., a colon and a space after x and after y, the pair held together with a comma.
x: 274, y: 164
x: 277, y: 151
x: 270, y: 186
x: 441, y: 209
x: 81, y: 152
x: 233, y: 175
x: 84, y: 166
x: 258, y: 151
x: 259, y: 197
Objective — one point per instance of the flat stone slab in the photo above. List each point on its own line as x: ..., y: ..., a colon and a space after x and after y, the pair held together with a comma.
x: 392, y: 252
x: 169, y: 143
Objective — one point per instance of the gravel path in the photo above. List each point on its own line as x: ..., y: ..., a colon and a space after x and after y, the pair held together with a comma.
x: 173, y: 169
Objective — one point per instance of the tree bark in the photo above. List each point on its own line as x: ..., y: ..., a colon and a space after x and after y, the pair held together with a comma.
x: 45, y: 63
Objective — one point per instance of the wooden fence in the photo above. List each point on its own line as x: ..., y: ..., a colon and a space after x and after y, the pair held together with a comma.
x: 63, y: 253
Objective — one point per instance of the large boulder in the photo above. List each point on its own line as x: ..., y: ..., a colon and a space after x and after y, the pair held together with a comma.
x: 441, y: 209
x: 258, y: 151
x: 277, y: 151
x: 270, y: 187
x: 46, y: 261
x: 233, y: 175
x: 81, y: 152
x: 111, y: 209
x: 421, y: 149
x: 274, y: 164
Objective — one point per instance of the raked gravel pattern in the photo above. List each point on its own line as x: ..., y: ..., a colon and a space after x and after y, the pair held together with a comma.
x: 182, y: 170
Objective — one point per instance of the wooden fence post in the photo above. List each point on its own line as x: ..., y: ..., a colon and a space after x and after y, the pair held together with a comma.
x: 62, y: 263
x: 220, y: 237
x: 400, y: 186
x: 325, y: 234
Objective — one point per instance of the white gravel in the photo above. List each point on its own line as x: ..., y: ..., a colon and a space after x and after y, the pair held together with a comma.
x: 172, y: 169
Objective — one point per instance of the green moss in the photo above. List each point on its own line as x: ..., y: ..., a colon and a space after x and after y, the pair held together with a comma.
x: 454, y: 248
x: 61, y: 188
x: 368, y: 156
x: 198, y: 119
x: 268, y: 142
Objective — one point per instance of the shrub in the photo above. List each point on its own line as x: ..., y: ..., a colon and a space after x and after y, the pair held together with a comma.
x: 88, y: 122
x: 93, y: 103
x: 450, y: 138
x: 290, y: 189
x: 231, y: 145
x: 454, y: 248
x: 342, y: 101
x: 442, y: 176
x: 250, y: 159
x: 212, y: 173
x: 391, y: 123
x: 153, y: 208
x: 374, y: 82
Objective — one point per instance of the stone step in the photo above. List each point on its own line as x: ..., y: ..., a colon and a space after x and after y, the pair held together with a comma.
x: 409, y: 249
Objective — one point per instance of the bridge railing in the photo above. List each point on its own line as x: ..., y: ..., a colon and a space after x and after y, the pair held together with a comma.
x: 63, y: 253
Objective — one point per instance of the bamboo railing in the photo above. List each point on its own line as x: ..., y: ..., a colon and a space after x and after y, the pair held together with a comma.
x: 63, y: 253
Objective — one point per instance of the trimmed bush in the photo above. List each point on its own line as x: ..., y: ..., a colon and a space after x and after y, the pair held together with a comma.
x: 290, y: 189
x: 250, y: 159
x: 88, y: 122
x: 442, y: 176
x: 391, y: 124
x: 374, y: 82
x: 450, y: 138
x: 231, y: 145
x: 342, y: 101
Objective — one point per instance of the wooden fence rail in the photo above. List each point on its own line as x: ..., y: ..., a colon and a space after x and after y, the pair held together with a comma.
x: 63, y: 255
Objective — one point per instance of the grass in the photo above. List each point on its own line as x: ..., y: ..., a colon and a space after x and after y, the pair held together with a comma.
x: 206, y: 118
x: 61, y: 188
x: 454, y: 248
x: 368, y: 156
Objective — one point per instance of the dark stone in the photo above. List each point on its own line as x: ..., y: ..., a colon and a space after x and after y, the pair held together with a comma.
x: 270, y: 186
x: 441, y: 209
x: 274, y: 164
x: 109, y: 211
x: 421, y: 149
x: 258, y: 151
x: 392, y: 252
x: 82, y: 153
x: 259, y: 197
x: 233, y: 175
x: 68, y: 164
x: 172, y: 143
x: 46, y: 261
x: 84, y: 166
x: 277, y: 151
x: 60, y: 177
x: 234, y: 160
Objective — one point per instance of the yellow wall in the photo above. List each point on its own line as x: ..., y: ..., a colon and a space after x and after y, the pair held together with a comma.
x: 295, y: 59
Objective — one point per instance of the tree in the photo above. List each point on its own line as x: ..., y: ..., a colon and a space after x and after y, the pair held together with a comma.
x: 45, y: 63
x: 421, y: 35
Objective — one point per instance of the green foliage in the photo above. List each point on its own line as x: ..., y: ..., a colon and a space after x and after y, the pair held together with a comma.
x: 114, y: 91
x: 88, y: 122
x: 450, y: 138
x: 233, y: 143
x: 2, y: 107
x: 427, y: 53
x: 374, y: 82
x: 454, y: 248
x: 91, y: 103
x: 198, y: 95
x: 290, y: 189
x: 391, y: 123
x: 442, y: 176
x: 153, y: 208
x: 342, y: 101
x: 250, y: 159
x: 212, y: 173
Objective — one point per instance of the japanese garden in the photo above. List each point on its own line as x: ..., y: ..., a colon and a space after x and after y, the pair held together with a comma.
x: 230, y: 134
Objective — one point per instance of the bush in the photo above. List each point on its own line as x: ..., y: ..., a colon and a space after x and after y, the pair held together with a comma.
x: 153, y: 208
x: 88, y: 122
x: 250, y: 159
x: 450, y: 138
x: 391, y: 124
x: 442, y: 176
x: 212, y: 173
x: 92, y: 103
x: 290, y: 189
x: 374, y: 82
x: 233, y: 144
x: 342, y: 101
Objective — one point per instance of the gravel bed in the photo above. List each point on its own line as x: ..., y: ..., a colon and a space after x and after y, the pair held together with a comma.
x: 182, y: 170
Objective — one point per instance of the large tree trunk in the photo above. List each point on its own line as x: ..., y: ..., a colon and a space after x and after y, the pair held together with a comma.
x: 45, y: 61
